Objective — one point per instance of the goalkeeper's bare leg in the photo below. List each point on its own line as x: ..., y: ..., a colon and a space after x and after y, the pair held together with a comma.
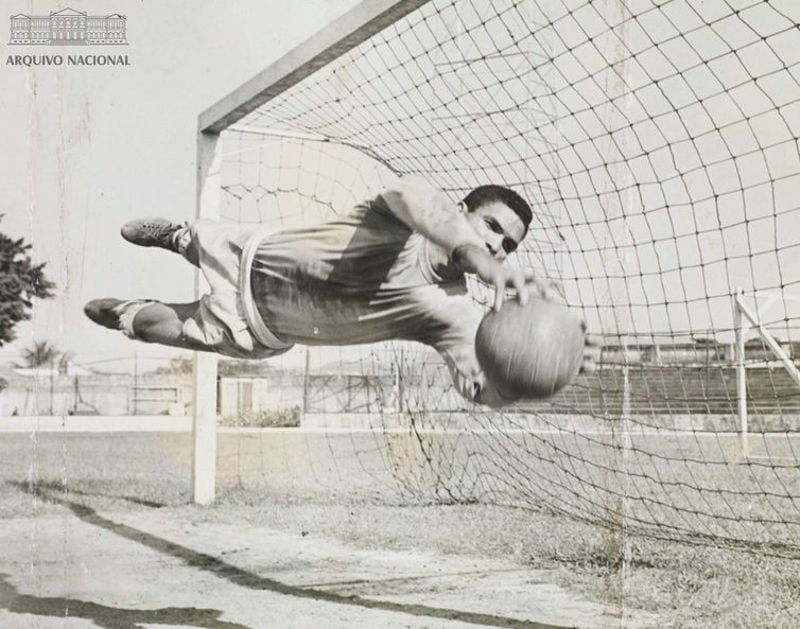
x: 214, y: 323
x: 146, y: 320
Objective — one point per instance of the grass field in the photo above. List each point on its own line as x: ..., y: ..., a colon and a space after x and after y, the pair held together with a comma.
x: 354, y: 488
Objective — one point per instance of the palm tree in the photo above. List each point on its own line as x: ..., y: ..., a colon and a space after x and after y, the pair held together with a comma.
x: 41, y: 353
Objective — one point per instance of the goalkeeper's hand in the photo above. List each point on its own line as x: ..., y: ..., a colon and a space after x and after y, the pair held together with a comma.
x: 474, y: 259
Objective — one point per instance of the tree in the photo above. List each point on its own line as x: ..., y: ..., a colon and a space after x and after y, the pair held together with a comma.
x: 21, y: 281
x: 41, y: 354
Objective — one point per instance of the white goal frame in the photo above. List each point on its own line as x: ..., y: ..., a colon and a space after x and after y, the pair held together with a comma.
x: 341, y: 35
x: 746, y: 319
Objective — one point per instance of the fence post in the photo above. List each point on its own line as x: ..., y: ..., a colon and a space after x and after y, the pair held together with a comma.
x: 741, y: 372
x: 305, y: 382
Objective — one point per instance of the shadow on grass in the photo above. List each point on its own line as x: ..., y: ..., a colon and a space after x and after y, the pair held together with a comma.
x: 62, y: 487
x: 109, y: 617
x: 251, y: 580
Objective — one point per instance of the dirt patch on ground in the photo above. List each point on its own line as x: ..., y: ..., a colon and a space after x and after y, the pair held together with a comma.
x: 197, y: 568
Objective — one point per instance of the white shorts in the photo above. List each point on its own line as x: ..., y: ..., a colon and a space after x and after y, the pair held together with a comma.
x: 227, y: 320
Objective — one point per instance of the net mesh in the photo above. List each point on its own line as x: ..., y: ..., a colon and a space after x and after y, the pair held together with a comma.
x: 657, y: 141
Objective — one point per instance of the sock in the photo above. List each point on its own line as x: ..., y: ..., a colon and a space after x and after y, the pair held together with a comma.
x: 127, y: 312
x: 181, y: 239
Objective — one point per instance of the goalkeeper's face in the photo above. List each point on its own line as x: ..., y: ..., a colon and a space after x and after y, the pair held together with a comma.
x: 499, y: 226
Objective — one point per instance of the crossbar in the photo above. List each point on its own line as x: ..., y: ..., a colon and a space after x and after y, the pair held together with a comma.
x: 329, y: 43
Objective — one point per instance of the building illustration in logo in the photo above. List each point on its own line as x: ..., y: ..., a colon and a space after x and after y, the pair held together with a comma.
x: 68, y: 27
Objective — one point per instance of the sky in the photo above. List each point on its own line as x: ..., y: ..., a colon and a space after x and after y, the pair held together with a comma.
x: 708, y: 201
x: 657, y: 141
x: 85, y: 149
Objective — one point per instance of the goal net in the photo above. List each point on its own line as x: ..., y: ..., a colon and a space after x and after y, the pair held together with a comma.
x: 657, y: 141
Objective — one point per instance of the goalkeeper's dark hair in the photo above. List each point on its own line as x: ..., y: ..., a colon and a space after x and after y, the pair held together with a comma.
x: 492, y: 193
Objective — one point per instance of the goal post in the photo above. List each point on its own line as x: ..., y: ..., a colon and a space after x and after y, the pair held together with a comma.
x: 744, y: 320
x: 658, y: 144
x: 334, y: 40
x: 204, y: 372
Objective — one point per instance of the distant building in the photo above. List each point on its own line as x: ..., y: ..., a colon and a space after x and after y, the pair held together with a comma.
x: 66, y: 369
x: 68, y: 27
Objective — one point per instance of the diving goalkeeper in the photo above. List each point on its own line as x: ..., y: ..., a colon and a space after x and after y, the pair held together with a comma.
x: 391, y: 269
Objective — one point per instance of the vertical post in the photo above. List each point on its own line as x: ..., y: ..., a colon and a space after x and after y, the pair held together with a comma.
x: 620, y: 256
x: 204, y: 396
x: 135, y: 383
x: 400, y: 391
x: 305, y: 382
x: 52, y: 386
x: 741, y: 372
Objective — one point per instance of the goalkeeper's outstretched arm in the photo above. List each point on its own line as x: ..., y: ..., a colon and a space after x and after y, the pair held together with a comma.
x: 427, y: 210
